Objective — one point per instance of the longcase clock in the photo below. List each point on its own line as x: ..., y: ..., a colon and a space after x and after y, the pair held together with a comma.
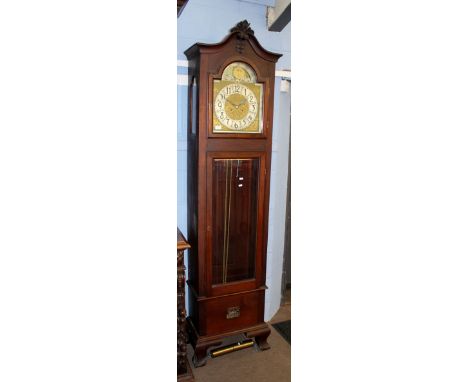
x: 229, y: 153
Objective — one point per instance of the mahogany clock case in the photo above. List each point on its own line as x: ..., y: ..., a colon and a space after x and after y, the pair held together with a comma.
x: 228, y: 199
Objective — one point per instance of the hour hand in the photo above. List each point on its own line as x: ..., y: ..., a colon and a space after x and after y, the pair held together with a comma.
x: 227, y: 100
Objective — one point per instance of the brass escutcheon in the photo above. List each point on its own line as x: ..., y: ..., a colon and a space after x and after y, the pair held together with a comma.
x: 233, y: 312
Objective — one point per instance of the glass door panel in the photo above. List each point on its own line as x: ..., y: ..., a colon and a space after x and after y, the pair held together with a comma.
x: 235, y: 205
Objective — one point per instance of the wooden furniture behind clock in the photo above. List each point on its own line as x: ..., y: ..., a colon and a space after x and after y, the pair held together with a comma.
x: 184, y: 373
x: 229, y: 153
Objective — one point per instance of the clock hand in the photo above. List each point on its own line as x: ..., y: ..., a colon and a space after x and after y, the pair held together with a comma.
x: 231, y: 103
x: 236, y: 106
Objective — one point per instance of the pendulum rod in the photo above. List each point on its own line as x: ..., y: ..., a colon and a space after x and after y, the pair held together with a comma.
x: 225, y: 222
x: 227, y: 217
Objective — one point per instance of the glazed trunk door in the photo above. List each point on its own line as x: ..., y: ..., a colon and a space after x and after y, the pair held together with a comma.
x: 235, y: 183
x: 235, y: 194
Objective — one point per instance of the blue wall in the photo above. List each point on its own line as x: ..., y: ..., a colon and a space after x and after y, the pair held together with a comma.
x: 209, y: 21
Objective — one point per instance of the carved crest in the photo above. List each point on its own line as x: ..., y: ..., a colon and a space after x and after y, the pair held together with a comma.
x: 243, y: 31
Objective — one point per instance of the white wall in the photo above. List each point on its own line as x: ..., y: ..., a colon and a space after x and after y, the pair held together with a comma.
x: 209, y: 21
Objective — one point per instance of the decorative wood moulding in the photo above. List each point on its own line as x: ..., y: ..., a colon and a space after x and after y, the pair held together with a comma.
x: 242, y: 31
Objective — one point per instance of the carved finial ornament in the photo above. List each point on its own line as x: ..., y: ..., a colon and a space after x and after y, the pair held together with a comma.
x: 243, y: 31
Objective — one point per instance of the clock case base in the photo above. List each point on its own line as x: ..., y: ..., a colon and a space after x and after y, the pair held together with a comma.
x: 203, y: 344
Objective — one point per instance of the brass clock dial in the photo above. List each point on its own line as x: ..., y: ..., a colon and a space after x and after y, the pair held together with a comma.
x: 236, y: 106
x: 237, y: 101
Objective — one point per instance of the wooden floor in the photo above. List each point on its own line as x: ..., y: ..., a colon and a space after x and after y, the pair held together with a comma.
x: 250, y: 365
